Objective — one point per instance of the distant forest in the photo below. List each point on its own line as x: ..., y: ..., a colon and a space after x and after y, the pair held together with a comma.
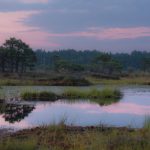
x: 18, y: 57
x: 137, y: 60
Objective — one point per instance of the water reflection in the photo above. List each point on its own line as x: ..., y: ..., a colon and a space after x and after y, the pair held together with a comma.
x: 15, y: 112
x: 131, y: 110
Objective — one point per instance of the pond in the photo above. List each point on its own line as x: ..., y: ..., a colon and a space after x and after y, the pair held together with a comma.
x: 131, y: 110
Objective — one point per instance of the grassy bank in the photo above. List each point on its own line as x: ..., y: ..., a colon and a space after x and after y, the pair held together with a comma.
x: 55, y: 80
x: 132, y: 80
x: 61, y: 137
x: 73, y: 82
x: 101, y: 96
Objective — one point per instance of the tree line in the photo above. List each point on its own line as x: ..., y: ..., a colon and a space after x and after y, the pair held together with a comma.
x: 18, y: 57
x: 94, y: 60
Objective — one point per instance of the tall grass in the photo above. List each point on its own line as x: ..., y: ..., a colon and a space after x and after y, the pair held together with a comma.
x: 18, y: 144
x: 92, y: 93
x: 123, y: 81
x: 105, y: 96
x: 147, y: 122
x: 42, y: 96
x: 60, y: 137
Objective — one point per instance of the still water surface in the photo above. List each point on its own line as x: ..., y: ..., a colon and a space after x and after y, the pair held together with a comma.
x: 131, y: 110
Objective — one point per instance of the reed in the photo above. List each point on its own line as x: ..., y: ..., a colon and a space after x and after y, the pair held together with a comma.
x: 147, y: 122
x: 105, y: 96
x: 61, y: 137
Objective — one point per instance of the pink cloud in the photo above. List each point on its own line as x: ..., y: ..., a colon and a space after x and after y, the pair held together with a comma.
x: 108, y: 33
x: 12, y: 25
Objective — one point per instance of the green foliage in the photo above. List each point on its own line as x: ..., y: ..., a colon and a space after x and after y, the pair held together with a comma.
x: 61, y: 64
x: 105, y: 64
x: 146, y: 63
x: 16, y: 56
x: 85, y: 58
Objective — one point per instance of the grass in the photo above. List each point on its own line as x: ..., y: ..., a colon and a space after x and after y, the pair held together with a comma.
x: 61, y: 137
x: 70, y: 79
x: 147, y: 122
x: 15, y: 144
x: 55, y: 80
x: 92, y: 94
x: 105, y: 96
x: 135, y: 80
x: 42, y: 96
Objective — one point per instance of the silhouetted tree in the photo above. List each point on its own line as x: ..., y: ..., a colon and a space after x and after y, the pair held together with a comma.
x: 3, y: 58
x: 146, y: 64
x: 107, y: 64
x: 16, y: 56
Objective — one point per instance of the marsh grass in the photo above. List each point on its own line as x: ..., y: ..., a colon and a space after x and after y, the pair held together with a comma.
x: 92, y: 93
x: 18, y: 144
x: 135, y: 80
x: 42, y: 96
x: 147, y: 122
x: 61, y: 137
x: 54, y: 80
x: 105, y: 96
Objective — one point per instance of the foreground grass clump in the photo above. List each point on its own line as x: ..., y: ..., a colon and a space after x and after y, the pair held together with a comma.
x: 147, y: 122
x: 14, y: 144
x: 61, y: 137
x: 92, y: 94
x: 42, y: 96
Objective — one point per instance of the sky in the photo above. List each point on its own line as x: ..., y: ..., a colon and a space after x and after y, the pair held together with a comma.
x: 106, y: 25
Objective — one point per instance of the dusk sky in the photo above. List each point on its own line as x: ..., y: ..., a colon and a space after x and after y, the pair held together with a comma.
x: 107, y: 25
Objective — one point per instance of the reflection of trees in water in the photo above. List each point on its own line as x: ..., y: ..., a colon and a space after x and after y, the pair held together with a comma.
x: 2, y: 107
x: 15, y: 113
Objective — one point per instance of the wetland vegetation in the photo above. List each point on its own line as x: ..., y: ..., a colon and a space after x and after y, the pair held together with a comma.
x: 62, y: 137
x: 21, y: 66
x: 104, y: 96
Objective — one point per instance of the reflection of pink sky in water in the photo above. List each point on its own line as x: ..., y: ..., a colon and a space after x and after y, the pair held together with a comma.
x: 127, y: 108
x: 83, y: 108
x: 133, y: 106
x: 119, y: 108
x: 20, y: 125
